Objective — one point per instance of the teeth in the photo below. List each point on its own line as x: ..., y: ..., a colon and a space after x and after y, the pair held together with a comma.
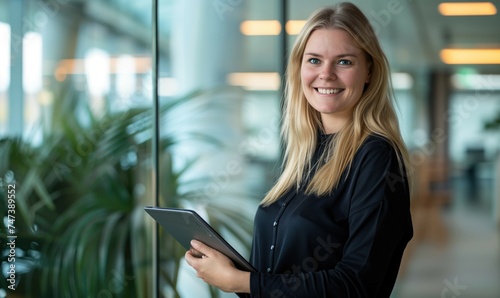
x: 329, y: 91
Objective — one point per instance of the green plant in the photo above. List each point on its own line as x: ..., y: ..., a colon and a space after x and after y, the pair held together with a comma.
x: 80, y: 222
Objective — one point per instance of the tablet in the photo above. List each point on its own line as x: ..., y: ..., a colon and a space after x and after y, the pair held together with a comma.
x: 185, y: 225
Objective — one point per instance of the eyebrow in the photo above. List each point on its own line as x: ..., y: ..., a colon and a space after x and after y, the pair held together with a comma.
x: 338, y: 56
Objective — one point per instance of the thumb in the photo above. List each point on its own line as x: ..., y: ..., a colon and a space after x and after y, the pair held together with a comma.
x: 202, y: 247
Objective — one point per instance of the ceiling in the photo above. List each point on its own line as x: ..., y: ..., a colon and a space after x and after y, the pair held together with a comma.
x: 411, y: 38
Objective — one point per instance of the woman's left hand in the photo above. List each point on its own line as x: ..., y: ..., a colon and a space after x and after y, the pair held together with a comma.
x: 216, y: 269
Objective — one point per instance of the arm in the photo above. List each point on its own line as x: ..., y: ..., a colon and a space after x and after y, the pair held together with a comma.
x: 216, y: 269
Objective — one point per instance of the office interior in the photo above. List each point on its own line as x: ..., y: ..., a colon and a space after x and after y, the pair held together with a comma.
x: 108, y: 106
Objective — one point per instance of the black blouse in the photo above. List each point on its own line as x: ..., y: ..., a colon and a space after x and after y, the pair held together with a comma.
x: 347, y: 244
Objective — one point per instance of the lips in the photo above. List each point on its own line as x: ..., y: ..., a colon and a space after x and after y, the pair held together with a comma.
x: 327, y: 91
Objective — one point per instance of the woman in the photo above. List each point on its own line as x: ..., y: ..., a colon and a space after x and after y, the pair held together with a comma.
x: 337, y: 221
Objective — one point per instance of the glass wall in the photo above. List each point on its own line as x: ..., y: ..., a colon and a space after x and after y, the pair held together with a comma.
x: 75, y: 143
x: 474, y: 142
x: 77, y: 130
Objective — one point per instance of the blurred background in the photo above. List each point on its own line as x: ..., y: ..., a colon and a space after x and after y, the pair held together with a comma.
x: 80, y: 142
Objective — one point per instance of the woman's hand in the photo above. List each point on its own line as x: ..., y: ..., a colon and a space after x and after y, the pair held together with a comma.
x: 216, y: 269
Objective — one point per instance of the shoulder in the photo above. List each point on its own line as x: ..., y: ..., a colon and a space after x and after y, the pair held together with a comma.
x: 376, y: 170
x: 376, y: 154
x: 376, y: 145
x: 374, y: 141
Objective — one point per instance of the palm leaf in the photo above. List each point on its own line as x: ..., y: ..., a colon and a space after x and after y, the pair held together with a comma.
x: 77, y: 201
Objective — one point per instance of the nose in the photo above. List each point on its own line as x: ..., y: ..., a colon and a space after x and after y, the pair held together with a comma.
x: 327, y: 73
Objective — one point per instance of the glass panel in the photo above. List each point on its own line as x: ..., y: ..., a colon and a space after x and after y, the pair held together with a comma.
x: 219, y: 92
x: 82, y: 172
x: 4, y: 71
x: 473, y: 140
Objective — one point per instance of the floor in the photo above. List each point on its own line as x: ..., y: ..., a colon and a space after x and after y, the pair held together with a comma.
x: 465, y: 260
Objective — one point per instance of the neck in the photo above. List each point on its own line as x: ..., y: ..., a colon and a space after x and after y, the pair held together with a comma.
x: 333, y: 124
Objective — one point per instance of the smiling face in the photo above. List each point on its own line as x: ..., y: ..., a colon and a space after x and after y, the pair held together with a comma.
x: 334, y: 71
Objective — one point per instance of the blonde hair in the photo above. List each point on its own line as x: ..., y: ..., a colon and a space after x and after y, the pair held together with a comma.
x: 373, y: 114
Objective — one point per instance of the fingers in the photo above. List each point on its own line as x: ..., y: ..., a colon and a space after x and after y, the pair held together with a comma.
x: 196, y: 253
x: 191, y: 259
x: 194, y: 260
x: 212, y: 267
x: 201, y: 248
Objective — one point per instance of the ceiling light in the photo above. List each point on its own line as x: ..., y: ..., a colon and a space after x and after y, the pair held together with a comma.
x: 77, y: 66
x: 271, y: 27
x: 293, y: 27
x: 470, y: 56
x: 467, y: 9
x: 255, y: 80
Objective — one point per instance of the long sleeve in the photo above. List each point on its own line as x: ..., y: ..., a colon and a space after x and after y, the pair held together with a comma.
x: 359, y: 253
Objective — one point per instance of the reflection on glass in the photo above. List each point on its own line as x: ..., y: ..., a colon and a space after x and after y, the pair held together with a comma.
x: 97, y: 70
x: 125, y: 76
x: 4, y: 74
x: 4, y: 57
x: 168, y: 87
x: 32, y: 62
x: 255, y: 81
x: 32, y: 84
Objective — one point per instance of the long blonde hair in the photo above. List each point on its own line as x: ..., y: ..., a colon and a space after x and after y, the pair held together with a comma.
x: 373, y: 114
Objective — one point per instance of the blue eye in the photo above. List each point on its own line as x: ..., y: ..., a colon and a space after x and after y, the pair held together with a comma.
x: 314, y: 61
x: 344, y: 62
